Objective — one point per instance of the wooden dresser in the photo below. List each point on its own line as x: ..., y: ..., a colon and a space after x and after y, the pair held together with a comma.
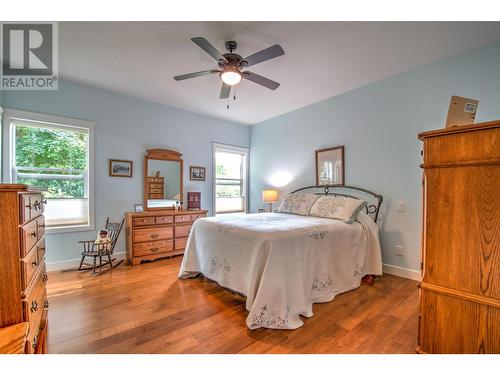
x: 155, y: 187
x: 159, y: 233
x: 460, y: 288
x: 23, y: 297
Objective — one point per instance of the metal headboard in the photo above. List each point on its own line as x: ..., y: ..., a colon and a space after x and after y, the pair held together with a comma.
x: 371, y: 208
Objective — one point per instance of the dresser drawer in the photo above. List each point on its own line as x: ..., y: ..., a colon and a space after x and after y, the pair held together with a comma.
x: 156, y: 186
x: 197, y: 216
x: 29, y: 237
x: 150, y: 220
x: 148, y: 234
x: 182, y: 230
x: 42, y: 332
x: 155, y: 180
x: 40, y: 247
x: 180, y: 243
x: 164, y: 219
x: 29, y: 266
x: 33, y: 303
x: 183, y: 218
x: 153, y: 247
x: 32, y: 206
x: 155, y: 196
x: 156, y: 190
x: 38, y: 322
x: 40, y: 226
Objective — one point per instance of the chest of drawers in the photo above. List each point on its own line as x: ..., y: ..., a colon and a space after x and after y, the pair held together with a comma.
x: 460, y: 288
x: 23, y: 296
x: 157, y: 234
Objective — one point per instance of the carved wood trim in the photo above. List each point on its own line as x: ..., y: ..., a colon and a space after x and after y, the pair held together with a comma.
x: 461, y: 295
x: 471, y: 163
x: 163, y: 154
x: 459, y: 129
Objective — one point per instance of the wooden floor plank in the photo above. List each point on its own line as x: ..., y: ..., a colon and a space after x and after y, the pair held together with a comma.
x: 147, y: 309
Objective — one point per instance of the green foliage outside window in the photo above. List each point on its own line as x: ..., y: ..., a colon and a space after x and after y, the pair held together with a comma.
x: 50, y: 148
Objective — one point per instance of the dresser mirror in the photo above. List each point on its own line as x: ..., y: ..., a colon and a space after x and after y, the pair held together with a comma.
x: 162, y: 179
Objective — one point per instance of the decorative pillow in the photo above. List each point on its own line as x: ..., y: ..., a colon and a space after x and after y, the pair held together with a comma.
x: 298, y: 204
x: 342, y: 208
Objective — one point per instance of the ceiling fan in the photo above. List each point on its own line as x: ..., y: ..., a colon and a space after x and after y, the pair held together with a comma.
x: 231, y: 65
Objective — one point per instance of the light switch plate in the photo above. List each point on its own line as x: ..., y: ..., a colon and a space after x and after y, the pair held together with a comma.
x: 401, y: 206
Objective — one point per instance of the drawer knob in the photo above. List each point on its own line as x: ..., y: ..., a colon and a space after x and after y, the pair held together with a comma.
x: 34, y: 263
x: 154, y: 235
x: 41, y: 225
x: 34, y: 306
x: 144, y: 220
x: 45, y: 277
x: 154, y: 249
x: 44, y: 201
x: 35, y: 341
x: 33, y: 234
x: 46, y: 304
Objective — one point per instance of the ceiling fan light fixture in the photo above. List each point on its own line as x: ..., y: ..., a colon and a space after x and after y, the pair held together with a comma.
x: 230, y: 76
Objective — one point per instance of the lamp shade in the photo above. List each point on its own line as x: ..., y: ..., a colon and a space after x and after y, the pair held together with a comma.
x: 270, y: 195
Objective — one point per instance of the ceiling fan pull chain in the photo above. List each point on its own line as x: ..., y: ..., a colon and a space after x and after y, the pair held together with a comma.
x: 234, y: 93
x: 227, y: 107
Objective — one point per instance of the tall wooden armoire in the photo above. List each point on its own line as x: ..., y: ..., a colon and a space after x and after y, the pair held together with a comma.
x: 460, y: 288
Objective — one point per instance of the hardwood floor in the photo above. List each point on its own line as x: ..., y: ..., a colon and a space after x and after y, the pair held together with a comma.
x: 147, y: 309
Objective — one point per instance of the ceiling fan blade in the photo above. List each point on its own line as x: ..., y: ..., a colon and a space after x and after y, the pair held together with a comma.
x: 225, y: 90
x: 208, y: 48
x: 264, y: 55
x: 266, y: 82
x: 194, y: 75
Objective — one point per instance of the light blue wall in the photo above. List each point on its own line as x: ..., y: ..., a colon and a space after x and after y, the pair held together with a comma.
x: 125, y: 128
x: 378, y: 124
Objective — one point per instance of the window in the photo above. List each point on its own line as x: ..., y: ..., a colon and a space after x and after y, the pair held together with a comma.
x: 56, y: 157
x: 230, y: 182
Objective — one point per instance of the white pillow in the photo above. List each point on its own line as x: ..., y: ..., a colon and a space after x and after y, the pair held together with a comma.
x: 298, y: 203
x: 342, y: 208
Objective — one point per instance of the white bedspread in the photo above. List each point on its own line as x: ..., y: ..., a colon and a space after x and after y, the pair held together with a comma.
x: 282, y: 263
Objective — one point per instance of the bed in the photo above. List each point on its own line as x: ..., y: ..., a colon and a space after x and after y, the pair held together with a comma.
x: 284, y: 263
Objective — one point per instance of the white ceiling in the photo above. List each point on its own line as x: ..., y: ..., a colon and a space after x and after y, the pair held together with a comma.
x: 322, y: 59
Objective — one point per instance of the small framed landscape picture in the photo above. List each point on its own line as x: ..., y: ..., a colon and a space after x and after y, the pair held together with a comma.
x: 138, y: 208
x: 197, y: 173
x: 120, y: 168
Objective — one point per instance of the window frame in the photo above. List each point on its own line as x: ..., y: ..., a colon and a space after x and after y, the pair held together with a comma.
x: 8, y: 162
x: 245, y: 177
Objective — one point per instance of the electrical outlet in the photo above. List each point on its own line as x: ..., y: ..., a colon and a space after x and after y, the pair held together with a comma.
x: 399, y: 250
x: 401, y: 206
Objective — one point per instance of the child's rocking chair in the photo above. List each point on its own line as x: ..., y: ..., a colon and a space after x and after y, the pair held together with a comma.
x: 93, y: 250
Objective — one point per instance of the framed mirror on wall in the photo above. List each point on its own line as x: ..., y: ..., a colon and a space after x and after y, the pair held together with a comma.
x: 330, y: 166
x: 163, y: 188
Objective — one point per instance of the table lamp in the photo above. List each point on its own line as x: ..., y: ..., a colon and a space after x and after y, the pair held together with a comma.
x: 270, y: 196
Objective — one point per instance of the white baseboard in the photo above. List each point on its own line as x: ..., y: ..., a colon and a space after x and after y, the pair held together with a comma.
x: 73, y: 263
x: 401, y: 272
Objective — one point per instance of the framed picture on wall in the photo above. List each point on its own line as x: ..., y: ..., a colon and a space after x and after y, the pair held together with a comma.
x: 120, y: 168
x: 197, y: 173
x: 330, y: 166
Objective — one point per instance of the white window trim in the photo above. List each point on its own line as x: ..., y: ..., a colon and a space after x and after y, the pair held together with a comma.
x: 8, y: 154
x: 227, y: 147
